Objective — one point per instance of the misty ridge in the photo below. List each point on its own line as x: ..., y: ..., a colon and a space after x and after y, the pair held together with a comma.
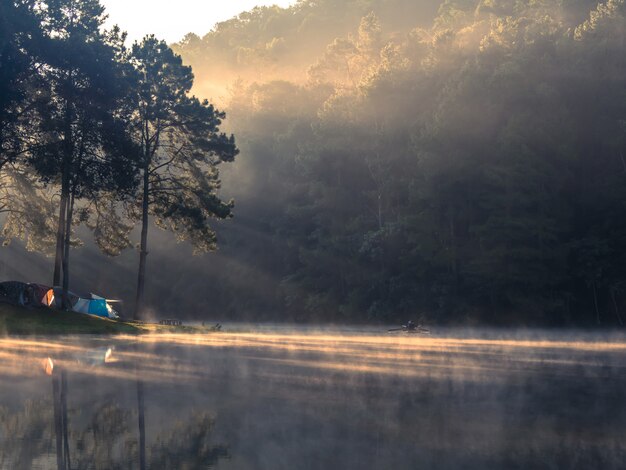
x: 461, y: 161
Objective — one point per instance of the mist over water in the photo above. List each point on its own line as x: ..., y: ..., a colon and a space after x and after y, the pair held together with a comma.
x: 320, y: 398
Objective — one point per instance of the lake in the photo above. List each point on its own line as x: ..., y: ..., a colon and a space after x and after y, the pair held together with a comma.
x: 315, y: 398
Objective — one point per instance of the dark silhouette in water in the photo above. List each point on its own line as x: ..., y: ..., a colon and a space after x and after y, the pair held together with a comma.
x: 411, y: 327
x: 59, y: 397
x: 141, y: 417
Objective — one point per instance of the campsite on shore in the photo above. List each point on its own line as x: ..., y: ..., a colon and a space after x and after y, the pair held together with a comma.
x: 35, y: 309
x: 16, y: 320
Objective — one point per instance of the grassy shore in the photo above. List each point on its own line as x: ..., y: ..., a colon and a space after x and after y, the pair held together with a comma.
x: 15, y: 320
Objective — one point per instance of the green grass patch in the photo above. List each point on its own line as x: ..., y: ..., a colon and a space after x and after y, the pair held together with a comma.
x: 15, y: 320
x: 180, y: 329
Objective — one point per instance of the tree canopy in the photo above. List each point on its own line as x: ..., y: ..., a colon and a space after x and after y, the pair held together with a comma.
x: 467, y: 164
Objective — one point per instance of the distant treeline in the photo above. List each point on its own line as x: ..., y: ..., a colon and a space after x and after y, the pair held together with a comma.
x: 464, y: 161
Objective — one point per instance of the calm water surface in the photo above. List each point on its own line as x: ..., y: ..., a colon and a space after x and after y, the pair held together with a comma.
x: 281, y: 398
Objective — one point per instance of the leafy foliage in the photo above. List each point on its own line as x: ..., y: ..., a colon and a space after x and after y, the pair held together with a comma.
x: 469, y: 167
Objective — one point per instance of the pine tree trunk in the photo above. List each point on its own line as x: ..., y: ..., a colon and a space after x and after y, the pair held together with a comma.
x: 143, y: 251
x: 595, y: 303
x: 65, y: 191
x: 58, y: 258
x: 66, y: 252
x: 617, y: 314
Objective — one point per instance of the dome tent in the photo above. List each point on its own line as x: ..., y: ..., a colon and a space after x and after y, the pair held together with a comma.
x: 38, y: 295
x: 94, y: 305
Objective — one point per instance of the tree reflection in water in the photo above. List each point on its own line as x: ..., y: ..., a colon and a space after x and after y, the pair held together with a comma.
x: 27, y: 434
x: 329, y: 399
x: 102, y: 437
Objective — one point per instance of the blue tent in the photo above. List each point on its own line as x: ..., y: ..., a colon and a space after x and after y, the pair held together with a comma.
x: 95, y: 305
x: 92, y: 306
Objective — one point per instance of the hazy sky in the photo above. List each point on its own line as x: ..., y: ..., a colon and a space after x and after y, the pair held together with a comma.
x: 172, y: 19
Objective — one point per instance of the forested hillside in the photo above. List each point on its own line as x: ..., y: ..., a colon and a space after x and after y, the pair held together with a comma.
x: 459, y: 160
x: 462, y: 160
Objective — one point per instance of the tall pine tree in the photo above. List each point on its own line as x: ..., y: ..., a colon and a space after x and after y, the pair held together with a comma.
x: 87, y: 150
x: 181, y: 147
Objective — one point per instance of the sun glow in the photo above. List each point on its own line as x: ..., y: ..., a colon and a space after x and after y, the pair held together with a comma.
x: 172, y: 21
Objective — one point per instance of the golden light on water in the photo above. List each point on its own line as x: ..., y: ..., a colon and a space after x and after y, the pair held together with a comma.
x: 404, y: 356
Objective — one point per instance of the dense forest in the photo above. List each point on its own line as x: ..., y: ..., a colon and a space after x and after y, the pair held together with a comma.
x: 461, y: 161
